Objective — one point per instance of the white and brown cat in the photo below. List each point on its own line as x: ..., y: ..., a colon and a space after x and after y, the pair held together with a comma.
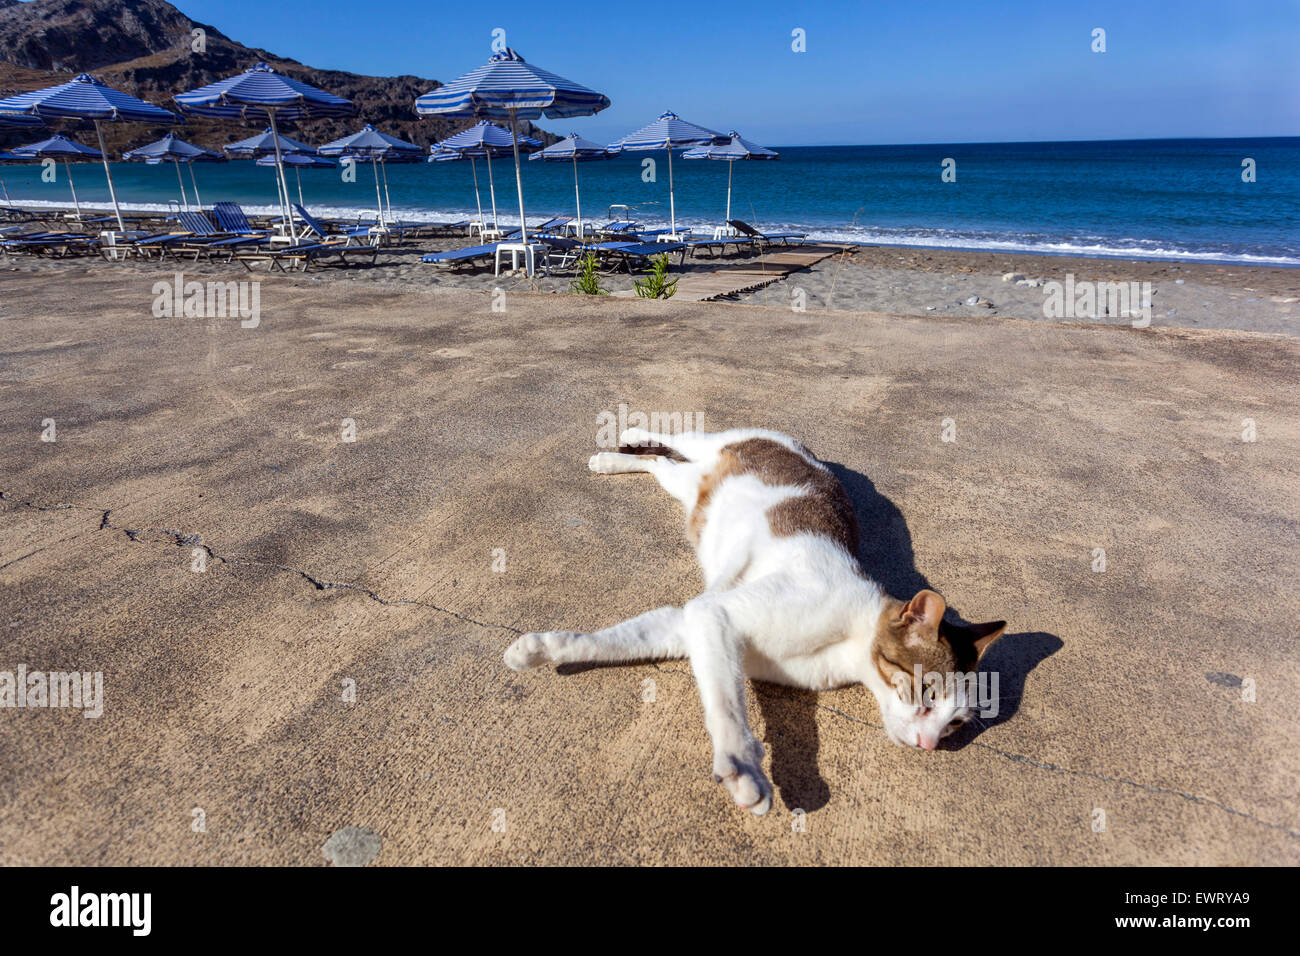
x: 785, y: 600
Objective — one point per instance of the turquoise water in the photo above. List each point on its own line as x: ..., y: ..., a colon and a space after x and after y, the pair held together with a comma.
x: 1151, y: 198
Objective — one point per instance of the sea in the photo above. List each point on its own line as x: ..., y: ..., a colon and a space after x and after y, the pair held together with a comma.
x: 1214, y: 200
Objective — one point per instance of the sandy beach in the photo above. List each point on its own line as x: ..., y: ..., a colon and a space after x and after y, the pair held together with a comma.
x: 863, y: 278
x: 374, y: 564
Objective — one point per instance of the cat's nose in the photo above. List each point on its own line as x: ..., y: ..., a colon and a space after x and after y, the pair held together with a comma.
x: 926, y: 743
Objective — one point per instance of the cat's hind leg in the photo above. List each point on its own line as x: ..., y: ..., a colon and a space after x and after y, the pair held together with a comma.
x: 654, y: 635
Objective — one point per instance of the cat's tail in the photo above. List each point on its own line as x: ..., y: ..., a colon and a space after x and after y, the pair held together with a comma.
x: 652, y: 448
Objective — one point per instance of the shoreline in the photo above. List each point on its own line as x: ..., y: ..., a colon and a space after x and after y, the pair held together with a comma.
x: 825, y: 233
x: 879, y: 279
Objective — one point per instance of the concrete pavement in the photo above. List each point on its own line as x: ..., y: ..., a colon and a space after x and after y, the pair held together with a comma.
x: 397, y: 567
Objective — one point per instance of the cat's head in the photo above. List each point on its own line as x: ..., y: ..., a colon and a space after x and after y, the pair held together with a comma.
x: 922, y: 660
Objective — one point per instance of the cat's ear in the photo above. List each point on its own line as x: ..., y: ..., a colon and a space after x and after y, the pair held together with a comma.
x: 926, y: 608
x: 978, y: 637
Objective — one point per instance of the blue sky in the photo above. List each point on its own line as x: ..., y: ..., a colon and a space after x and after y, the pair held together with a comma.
x: 904, y: 72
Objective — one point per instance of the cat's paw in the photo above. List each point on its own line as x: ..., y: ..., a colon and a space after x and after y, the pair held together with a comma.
x: 605, y: 463
x: 743, y: 776
x: 528, y: 652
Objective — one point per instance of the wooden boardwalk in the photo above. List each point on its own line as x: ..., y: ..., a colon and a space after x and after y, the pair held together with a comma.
x: 708, y: 280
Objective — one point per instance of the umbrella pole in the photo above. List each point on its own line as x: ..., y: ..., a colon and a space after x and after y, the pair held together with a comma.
x: 180, y: 182
x: 492, y: 188
x: 672, y: 208
x: 478, y: 200
x: 298, y: 175
x: 730, y: 167
x: 383, y: 168
x: 374, y: 167
x: 284, y: 185
x: 112, y: 193
x: 519, y: 188
x: 577, y: 199
x: 5, y: 189
x: 198, y: 203
x: 67, y: 168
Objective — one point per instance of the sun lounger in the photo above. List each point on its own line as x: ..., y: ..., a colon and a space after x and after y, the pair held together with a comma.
x: 303, y: 256
x: 766, y: 238
x: 353, y: 234
x: 627, y: 254
x: 455, y: 257
x: 54, y: 244
x: 619, y: 227
x: 717, y: 247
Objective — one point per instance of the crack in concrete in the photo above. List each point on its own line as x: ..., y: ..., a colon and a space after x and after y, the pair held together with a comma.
x: 182, y: 540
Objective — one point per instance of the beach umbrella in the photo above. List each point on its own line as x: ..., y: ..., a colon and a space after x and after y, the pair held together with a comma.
x: 572, y: 149
x: 59, y: 147
x: 268, y: 143
x: 371, y: 146
x: 85, y: 97
x: 258, y: 95
x: 299, y: 162
x: 507, y: 87
x: 669, y: 132
x: 730, y: 153
x: 483, y: 140
x: 177, y: 151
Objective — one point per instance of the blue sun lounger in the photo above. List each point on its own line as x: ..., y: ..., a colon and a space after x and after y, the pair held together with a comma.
x: 321, y: 231
x: 455, y: 257
x: 57, y: 244
x: 770, y: 238
x: 626, y: 253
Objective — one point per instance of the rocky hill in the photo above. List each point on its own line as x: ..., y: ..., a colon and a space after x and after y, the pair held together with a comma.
x: 145, y: 47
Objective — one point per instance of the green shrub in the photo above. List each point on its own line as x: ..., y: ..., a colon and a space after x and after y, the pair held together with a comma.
x: 657, y: 285
x: 588, y: 281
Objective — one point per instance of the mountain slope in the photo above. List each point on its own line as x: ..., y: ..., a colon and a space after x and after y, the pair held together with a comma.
x: 145, y: 48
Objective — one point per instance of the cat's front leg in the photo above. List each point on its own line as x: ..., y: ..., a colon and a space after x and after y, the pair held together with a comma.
x: 716, y: 650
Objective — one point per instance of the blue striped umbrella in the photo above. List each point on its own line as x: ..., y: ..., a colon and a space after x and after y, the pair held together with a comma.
x: 571, y: 149
x: 59, y: 147
x: 378, y: 149
x: 669, y: 132
x: 260, y: 94
x: 177, y: 151
x: 509, y: 87
x: 273, y: 144
x: 84, y: 97
x: 484, y: 140
x: 732, y: 152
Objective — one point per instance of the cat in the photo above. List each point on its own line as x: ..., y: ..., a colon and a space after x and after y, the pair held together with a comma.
x: 785, y: 600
